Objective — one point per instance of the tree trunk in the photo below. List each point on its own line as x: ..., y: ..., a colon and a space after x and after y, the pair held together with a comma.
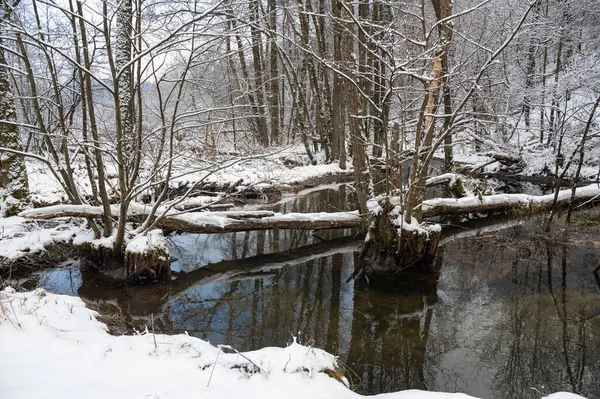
x: 257, y: 58
x: 274, y: 104
x: 209, y: 222
x: 338, y: 104
x: 14, y: 186
x: 147, y: 258
x: 355, y: 103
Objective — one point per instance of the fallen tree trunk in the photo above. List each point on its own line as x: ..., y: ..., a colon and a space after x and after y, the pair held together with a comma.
x: 211, y: 222
x: 223, y: 222
x: 504, y: 158
x: 453, y: 181
x: 395, y: 248
x: 527, y: 204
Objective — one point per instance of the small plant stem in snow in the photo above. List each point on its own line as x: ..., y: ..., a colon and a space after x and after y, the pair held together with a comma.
x: 213, y: 368
x: 153, y: 336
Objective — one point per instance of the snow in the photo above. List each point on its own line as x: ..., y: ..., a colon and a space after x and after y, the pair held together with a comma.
x: 154, y: 240
x: 415, y: 226
x: 20, y: 236
x: 198, y: 202
x: 43, y: 186
x: 71, y: 209
x: 53, y: 346
x: 590, y: 191
x: 260, y: 172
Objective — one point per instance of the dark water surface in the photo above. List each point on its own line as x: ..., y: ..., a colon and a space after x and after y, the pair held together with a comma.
x: 513, y: 314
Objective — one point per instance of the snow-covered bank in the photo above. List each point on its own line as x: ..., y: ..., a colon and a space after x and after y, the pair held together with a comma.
x: 280, y: 169
x: 53, y: 346
x: 19, y: 236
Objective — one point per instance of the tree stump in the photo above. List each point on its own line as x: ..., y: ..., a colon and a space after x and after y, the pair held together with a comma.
x: 97, y: 256
x: 394, y: 250
x: 147, y: 258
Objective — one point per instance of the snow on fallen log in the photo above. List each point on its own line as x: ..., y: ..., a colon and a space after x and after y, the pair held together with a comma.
x: 446, y: 178
x: 210, y: 222
x: 58, y: 211
x: 454, y: 181
x: 505, y: 202
x: 244, y: 214
x: 207, y: 223
x: 204, y: 201
x: 504, y: 158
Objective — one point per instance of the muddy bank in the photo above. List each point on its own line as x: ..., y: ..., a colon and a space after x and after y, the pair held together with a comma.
x: 53, y: 255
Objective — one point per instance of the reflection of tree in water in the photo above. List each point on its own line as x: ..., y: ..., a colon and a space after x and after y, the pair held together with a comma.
x: 382, y: 336
x: 390, y: 333
x: 252, y: 313
x: 545, y: 341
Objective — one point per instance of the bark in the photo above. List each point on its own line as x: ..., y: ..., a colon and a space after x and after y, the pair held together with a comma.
x: 443, y: 10
x: 257, y: 120
x: 338, y: 105
x: 322, y: 120
x: 425, y: 128
x: 14, y: 186
x: 150, y: 264
x: 88, y: 98
x: 584, y: 138
x: 123, y: 99
x: 274, y: 104
x: 257, y: 58
x: 355, y: 103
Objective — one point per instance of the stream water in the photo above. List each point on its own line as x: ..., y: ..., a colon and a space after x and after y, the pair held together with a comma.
x: 514, y: 312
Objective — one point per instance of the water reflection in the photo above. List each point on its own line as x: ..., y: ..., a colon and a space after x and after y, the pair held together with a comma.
x: 293, y: 301
x: 521, y: 311
x: 64, y: 281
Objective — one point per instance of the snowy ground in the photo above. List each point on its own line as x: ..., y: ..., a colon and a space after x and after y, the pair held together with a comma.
x: 538, y: 159
x: 53, y: 346
x: 261, y: 171
x: 19, y: 236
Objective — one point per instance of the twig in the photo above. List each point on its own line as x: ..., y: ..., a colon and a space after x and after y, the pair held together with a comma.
x: 214, y: 365
x: 5, y: 312
x: 240, y: 354
x: 153, y: 336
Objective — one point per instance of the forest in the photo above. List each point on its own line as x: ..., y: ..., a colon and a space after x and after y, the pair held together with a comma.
x: 296, y: 131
